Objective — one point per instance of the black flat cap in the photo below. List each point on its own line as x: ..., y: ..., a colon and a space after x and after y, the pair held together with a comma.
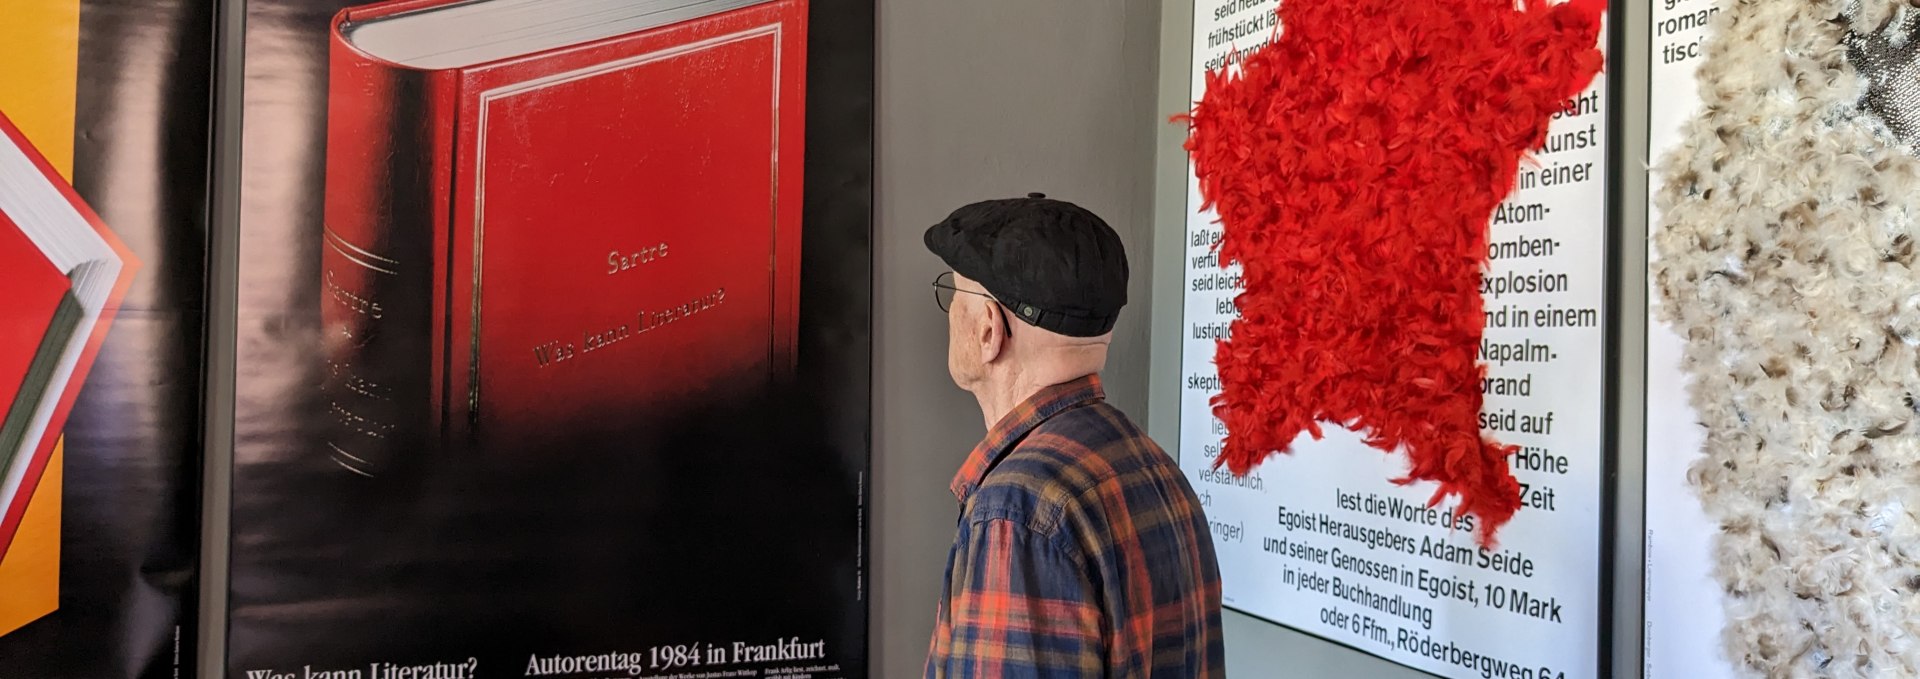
x: 1054, y: 264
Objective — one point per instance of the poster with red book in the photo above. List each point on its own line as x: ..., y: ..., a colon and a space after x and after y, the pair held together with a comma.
x: 553, y: 338
x: 103, y: 176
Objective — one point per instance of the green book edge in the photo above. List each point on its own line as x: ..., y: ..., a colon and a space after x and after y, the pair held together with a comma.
x: 46, y: 360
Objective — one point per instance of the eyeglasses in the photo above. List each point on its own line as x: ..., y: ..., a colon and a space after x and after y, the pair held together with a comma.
x: 943, y: 289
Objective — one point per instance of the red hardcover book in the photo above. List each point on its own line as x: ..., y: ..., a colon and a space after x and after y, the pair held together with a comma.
x: 62, y: 274
x: 37, y: 294
x: 532, y: 225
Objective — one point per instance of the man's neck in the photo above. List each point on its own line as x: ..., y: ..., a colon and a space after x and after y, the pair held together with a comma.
x: 997, y: 400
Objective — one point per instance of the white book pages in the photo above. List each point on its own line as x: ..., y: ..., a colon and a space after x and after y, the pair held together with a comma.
x: 67, y: 239
x: 469, y: 33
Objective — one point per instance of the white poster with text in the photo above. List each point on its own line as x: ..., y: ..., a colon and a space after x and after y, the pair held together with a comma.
x: 1322, y: 541
x: 1683, y: 614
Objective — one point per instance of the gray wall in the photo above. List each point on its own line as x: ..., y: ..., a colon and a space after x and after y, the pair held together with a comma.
x: 979, y: 99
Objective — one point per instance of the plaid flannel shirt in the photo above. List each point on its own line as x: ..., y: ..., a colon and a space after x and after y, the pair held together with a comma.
x: 1081, y: 551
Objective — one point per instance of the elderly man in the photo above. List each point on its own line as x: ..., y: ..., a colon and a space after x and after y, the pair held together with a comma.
x: 1081, y: 550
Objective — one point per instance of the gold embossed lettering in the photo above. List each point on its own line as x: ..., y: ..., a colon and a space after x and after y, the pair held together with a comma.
x: 646, y: 320
x: 352, y: 301
x: 552, y: 352
x: 618, y: 261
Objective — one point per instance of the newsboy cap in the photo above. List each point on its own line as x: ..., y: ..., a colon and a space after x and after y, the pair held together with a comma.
x: 1054, y: 264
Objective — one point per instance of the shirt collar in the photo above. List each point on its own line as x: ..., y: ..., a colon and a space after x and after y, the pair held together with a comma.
x: 1015, y: 425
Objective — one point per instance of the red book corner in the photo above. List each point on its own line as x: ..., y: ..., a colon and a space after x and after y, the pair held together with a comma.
x: 61, y: 249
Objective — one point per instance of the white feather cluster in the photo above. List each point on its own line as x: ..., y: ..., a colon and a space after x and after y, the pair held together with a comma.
x: 1787, y: 259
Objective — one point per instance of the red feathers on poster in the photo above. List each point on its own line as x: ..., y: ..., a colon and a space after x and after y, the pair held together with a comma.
x: 1354, y: 164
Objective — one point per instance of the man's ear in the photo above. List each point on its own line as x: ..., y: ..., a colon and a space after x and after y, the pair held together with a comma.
x: 992, y: 334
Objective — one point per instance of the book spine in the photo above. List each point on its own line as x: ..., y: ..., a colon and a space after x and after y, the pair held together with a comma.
x: 791, y: 113
x: 389, y: 169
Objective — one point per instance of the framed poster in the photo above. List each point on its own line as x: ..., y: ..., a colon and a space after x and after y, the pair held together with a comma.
x: 553, y: 339
x: 1322, y: 539
x: 104, y: 117
x: 1684, y: 613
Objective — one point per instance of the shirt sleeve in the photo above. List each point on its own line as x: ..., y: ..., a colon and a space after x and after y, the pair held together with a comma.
x: 1020, y: 606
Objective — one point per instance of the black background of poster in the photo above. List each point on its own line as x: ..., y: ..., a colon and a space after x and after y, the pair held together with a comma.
x: 130, y: 516
x: 739, y: 519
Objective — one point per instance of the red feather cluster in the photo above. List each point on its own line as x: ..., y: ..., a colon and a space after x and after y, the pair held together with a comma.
x: 1354, y: 164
